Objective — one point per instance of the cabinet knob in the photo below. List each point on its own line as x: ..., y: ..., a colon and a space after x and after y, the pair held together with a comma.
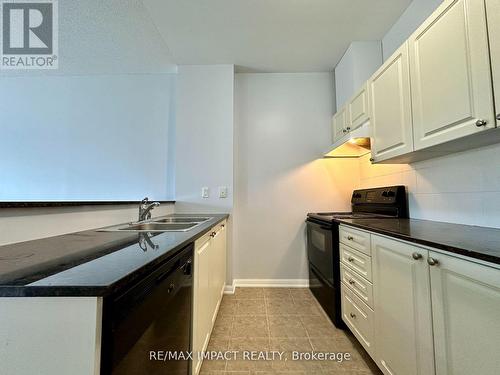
x: 372, y: 160
x: 480, y: 123
x: 352, y: 282
x: 171, y: 288
x: 350, y: 238
x: 352, y: 315
x: 432, y: 261
x: 348, y: 128
x: 344, y: 130
x: 498, y: 116
x: 350, y: 259
x: 416, y: 256
x: 212, y: 234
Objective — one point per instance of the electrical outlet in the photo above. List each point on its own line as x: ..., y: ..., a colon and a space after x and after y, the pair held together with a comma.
x: 205, y: 192
x: 223, y: 192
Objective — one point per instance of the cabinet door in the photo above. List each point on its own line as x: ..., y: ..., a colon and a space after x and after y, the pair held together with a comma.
x: 403, y: 328
x: 450, y: 74
x: 493, y: 14
x: 390, y: 107
x: 465, y: 309
x: 358, y: 109
x: 339, y: 124
x: 217, y: 269
x: 201, y: 298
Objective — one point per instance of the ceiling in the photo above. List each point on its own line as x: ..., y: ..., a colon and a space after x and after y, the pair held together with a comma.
x: 270, y: 35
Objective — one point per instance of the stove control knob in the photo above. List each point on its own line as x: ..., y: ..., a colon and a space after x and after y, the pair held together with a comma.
x: 391, y: 194
x: 385, y: 193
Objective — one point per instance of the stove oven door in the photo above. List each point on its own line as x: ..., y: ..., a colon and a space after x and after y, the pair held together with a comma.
x: 320, y: 249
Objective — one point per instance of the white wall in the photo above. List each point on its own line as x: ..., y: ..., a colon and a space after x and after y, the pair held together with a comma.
x: 410, y: 20
x: 94, y: 137
x: 282, y: 126
x: 25, y: 224
x: 98, y: 127
x: 204, y: 137
x: 204, y: 142
x: 359, y: 62
x: 460, y: 188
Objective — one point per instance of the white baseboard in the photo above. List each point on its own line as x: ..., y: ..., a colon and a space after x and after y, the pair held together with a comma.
x: 266, y: 283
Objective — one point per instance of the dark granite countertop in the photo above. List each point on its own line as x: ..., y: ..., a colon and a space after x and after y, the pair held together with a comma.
x: 88, y: 263
x: 472, y: 241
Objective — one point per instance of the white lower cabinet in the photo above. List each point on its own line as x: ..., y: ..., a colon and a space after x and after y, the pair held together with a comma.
x: 403, y: 325
x: 209, y: 282
x: 466, y: 316
x: 433, y: 313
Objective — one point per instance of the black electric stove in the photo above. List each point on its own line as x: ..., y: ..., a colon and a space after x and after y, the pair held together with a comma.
x: 323, y: 241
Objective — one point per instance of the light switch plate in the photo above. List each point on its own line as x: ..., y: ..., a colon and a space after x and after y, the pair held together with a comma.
x: 222, y: 191
x: 205, y: 192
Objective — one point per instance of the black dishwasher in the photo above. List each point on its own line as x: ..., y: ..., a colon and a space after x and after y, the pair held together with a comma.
x: 152, y: 316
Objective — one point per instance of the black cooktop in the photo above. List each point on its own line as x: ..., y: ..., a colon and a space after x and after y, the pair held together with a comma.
x: 374, y: 203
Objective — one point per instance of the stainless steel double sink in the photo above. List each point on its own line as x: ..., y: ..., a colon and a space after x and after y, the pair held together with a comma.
x: 169, y: 224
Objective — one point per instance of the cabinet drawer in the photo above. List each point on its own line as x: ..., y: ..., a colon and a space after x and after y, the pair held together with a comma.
x: 356, y: 239
x: 357, y: 284
x: 357, y: 261
x: 359, y: 318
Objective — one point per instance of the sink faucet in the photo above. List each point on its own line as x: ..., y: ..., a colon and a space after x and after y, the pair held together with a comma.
x: 145, y: 209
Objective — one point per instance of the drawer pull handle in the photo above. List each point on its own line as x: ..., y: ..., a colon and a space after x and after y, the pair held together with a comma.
x: 352, y: 282
x: 350, y: 238
x: 353, y: 315
x: 432, y: 261
x: 350, y: 259
x: 416, y: 256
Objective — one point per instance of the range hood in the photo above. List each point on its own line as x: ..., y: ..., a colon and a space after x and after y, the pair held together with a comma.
x: 354, y: 144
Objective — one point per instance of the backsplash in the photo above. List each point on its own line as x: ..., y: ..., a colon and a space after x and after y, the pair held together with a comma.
x: 460, y: 188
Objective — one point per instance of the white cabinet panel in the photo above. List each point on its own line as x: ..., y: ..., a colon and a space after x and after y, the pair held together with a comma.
x: 356, y: 239
x: 358, y: 109
x: 357, y: 284
x: 450, y: 74
x: 357, y: 261
x: 493, y: 14
x: 339, y: 124
x: 209, y: 282
x: 390, y: 107
x: 358, y: 317
x: 403, y: 326
x: 201, y: 300
x: 466, y: 306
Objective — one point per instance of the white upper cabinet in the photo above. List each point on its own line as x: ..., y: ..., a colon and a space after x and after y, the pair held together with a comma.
x: 493, y: 14
x: 339, y: 124
x: 403, y: 325
x: 465, y: 309
x: 358, y: 109
x: 390, y: 107
x: 450, y: 74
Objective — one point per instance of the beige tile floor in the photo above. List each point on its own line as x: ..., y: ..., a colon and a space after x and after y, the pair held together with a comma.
x: 281, y: 319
